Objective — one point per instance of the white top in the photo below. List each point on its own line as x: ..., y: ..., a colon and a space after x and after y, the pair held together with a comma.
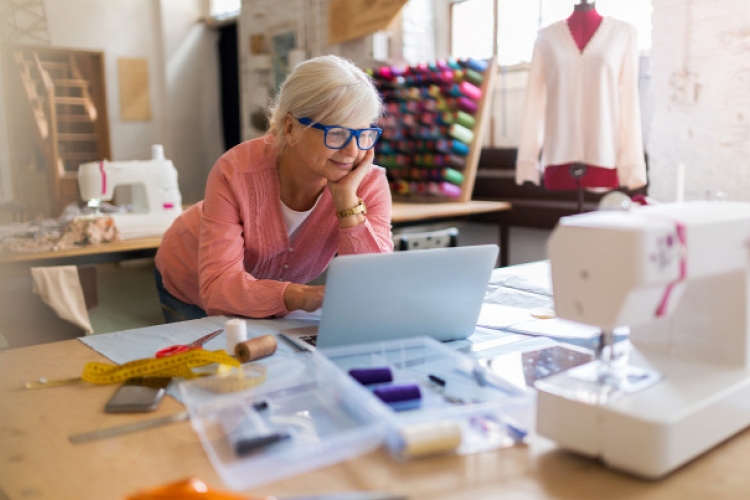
x: 582, y: 106
x: 295, y: 219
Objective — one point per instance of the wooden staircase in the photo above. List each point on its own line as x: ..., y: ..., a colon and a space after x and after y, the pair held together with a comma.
x: 66, y: 99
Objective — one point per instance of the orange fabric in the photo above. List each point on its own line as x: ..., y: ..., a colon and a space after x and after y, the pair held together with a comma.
x: 187, y: 489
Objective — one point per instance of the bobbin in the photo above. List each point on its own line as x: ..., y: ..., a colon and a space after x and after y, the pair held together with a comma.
x: 255, y: 348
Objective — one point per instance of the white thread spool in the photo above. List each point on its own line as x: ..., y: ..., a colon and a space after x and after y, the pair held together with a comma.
x: 432, y: 438
x: 157, y: 152
x: 236, y: 330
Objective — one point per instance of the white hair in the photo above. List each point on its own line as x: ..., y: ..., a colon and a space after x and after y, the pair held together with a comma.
x: 329, y: 90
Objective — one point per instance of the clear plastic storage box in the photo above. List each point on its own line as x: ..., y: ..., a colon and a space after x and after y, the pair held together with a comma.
x: 438, y: 400
x: 267, y: 421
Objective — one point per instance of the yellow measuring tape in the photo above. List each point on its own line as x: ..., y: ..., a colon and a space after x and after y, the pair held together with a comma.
x: 176, y: 365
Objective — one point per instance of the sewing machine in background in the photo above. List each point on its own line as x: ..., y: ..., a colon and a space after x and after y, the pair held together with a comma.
x: 677, y: 275
x: 145, y: 191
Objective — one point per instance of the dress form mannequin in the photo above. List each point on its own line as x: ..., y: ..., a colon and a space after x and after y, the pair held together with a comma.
x: 581, y: 127
x: 582, y: 23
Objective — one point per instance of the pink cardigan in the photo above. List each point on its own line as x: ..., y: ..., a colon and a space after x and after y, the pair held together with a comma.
x: 230, y: 253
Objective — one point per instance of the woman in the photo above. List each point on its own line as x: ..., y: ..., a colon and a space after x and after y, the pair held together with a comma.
x: 278, y: 208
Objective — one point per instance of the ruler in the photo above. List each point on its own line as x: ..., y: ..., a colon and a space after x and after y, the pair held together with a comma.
x: 108, y: 432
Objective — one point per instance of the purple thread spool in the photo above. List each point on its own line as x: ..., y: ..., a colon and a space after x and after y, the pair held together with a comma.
x: 398, y: 393
x: 470, y: 90
x: 466, y: 104
x: 376, y: 375
x: 455, y: 161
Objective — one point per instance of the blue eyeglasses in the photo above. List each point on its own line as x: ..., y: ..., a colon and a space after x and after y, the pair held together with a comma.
x: 336, y: 137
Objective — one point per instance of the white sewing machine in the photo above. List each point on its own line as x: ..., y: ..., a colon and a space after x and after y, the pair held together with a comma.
x: 148, y: 190
x: 677, y: 275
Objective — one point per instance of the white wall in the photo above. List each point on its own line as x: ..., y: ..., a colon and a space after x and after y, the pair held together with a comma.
x: 193, y: 101
x: 119, y: 28
x: 183, y: 77
x: 6, y: 186
x: 700, y: 76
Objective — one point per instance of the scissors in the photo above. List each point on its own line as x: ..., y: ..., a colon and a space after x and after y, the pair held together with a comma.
x: 179, y: 348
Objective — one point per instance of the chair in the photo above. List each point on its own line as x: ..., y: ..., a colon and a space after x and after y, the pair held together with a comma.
x: 440, y: 238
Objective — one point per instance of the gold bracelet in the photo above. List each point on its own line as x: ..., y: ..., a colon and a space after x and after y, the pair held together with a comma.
x: 359, y: 209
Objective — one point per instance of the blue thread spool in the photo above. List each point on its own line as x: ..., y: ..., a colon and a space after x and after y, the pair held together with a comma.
x: 452, y: 63
x: 475, y: 64
x: 458, y: 147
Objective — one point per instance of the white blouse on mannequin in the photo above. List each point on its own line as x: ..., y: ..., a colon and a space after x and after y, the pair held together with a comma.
x: 583, y: 106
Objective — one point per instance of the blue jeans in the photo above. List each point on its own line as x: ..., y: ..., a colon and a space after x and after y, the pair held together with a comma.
x: 173, y: 308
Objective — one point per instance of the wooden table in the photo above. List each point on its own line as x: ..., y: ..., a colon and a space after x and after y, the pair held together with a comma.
x: 405, y: 214
x: 37, y: 460
x: 90, y: 254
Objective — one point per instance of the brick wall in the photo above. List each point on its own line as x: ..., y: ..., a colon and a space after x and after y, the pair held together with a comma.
x: 700, y: 64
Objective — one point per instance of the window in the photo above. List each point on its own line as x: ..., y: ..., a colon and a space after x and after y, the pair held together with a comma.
x: 472, y: 25
x: 223, y: 10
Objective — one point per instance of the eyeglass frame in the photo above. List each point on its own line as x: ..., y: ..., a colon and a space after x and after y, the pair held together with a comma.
x: 353, y: 133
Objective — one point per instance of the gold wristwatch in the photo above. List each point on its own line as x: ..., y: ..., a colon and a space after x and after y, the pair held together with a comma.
x: 359, y: 209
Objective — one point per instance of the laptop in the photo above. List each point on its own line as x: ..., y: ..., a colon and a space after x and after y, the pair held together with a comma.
x: 375, y: 297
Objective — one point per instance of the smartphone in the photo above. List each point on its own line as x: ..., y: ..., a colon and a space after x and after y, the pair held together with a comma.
x: 138, y: 395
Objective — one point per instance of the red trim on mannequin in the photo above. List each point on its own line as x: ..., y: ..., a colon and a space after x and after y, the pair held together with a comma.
x: 558, y: 178
x: 582, y: 25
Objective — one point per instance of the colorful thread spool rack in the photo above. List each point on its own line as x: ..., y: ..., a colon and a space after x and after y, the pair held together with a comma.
x: 436, y: 115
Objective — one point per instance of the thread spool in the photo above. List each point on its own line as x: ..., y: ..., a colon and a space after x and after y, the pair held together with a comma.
x: 256, y: 348
x: 236, y: 332
x: 375, y: 375
x: 398, y: 393
x: 474, y: 77
x: 466, y: 104
x: 453, y: 176
x: 455, y: 161
x: 463, y: 134
x: 458, y: 147
x: 475, y: 64
x: 450, y: 190
x: 470, y: 90
x: 429, y: 439
x: 464, y: 119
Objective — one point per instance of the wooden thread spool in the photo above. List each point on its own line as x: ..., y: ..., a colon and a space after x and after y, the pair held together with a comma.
x: 256, y: 348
